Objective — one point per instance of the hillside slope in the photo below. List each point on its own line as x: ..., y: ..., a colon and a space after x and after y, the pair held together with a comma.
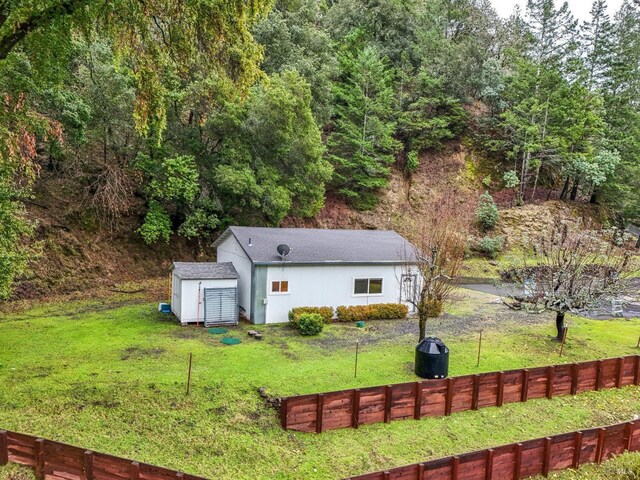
x: 80, y: 251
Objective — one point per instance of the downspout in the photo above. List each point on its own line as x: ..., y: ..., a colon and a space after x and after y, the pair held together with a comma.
x: 198, y: 310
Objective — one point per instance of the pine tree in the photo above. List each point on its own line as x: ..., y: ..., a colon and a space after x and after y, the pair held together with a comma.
x: 597, y: 44
x: 621, y: 93
x: 361, y: 145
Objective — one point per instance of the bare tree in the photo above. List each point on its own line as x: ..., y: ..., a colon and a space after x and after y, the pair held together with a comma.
x: 567, y: 271
x: 440, y: 236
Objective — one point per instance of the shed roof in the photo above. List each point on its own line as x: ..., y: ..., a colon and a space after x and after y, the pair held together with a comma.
x: 204, y: 270
x: 313, y: 245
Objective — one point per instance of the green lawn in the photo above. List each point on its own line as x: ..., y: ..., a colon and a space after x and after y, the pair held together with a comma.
x: 111, y: 377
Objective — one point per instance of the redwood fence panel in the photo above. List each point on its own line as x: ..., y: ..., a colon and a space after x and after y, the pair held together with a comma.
x: 525, y: 459
x: 432, y: 398
x: 58, y: 461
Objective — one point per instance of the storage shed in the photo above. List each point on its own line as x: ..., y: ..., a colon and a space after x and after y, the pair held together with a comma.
x: 204, y: 292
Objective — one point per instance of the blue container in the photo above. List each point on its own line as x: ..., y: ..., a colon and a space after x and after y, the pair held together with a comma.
x: 164, y: 308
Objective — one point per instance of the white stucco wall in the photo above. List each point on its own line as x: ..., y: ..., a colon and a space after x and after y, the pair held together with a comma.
x: 189, y: 298
x: 327, y: 285
x: 231, y: 251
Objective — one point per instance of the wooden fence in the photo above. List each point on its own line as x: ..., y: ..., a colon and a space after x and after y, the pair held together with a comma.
x: 59, y: 461
x: 525, y: 459
x: 429, y: 398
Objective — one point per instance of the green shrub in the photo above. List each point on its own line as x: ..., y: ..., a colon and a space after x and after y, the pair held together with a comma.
x: 413, y: 162
x: 487, y: 213
x: 490, y: 246
x: 310, y: 323
x: 325, y: 312
x: 378, y: 311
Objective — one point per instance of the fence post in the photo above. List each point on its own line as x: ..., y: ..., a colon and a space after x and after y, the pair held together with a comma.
x: 38, y: 454
x: 420, y: 475
x: 598, y: 375
x: 517, y: 462
x: 550, y: 379
x: 500, y: 394
x: 577, y: 449
x: 417, y: 406
x: 449, y: 399
x: 546, y: 456
x: 636, y: 375
x: 319, y: 412
x: 355, y: 409
x: 387, y: 404
x: 476, y: 392
x: 87, y: 464
x: 455, y: 467
x: 284, y: 404
x: 134, y: 470
x: 630, y: 429
x: 488, y: 469
x: 525, y: 385
x: 620, y: 372
x: 4, y: 447
x: 575, y: 378
x: 600, y: 445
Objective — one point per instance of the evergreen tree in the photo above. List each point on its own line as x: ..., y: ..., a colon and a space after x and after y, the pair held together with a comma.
x: 294, y: 39
x: 621, y: 93
x: 597, y: 44
x: 361, y: 145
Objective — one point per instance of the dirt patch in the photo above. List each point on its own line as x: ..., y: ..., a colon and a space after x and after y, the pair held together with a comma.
x: 344, y: 335
x: 137, y: 353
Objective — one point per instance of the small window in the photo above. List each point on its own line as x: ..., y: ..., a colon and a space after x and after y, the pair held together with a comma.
x: 375, y: 285
x: 367, y: 286
x: 281, y: 286
x: 361, y: 286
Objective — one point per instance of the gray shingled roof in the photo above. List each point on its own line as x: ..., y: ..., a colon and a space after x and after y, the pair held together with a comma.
x: 204, y: 270
x: 311, y: 245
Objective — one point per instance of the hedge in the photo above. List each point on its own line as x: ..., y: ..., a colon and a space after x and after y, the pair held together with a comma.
x: 378, y: 311
x: 325, y: 312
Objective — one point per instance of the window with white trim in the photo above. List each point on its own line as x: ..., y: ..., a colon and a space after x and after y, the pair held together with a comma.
x: 367, y: 286
x: 280, y: 286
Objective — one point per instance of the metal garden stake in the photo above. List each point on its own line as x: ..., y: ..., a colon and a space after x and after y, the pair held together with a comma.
x: 355, y: 372
x: 189, y: 373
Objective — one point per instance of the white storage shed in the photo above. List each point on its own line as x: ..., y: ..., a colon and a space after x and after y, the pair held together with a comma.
x: 204, y: 292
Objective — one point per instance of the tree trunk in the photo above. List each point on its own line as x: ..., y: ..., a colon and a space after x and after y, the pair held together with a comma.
x: 565, y: 189
x: 574, y: 190
x: 560, y: 325
x: 638, y: 242
x: 422, y: 321
x: 594, y: 197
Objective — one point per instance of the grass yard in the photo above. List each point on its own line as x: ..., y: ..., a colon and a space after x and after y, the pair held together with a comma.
x: 110, y: 375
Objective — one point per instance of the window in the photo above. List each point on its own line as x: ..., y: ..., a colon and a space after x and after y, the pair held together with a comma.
x: 367, y: 286
x: 281, y: 286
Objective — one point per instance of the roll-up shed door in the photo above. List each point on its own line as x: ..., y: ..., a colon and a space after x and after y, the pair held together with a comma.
x: 220, y: 306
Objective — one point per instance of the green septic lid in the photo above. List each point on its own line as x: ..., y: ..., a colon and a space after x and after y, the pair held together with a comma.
x: 218, y: 330
x: 230, y: 341
x: 360, y: 324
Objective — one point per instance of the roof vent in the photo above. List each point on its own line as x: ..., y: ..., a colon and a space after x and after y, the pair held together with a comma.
x: 283, y: 250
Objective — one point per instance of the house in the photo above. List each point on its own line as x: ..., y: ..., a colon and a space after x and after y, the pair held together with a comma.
x: 282, y: 268
x: 204, y: 292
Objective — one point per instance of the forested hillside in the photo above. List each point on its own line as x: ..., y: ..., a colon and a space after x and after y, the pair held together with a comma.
x: 160, y: 123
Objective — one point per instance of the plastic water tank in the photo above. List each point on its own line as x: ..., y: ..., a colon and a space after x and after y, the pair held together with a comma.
x: 432, y: 358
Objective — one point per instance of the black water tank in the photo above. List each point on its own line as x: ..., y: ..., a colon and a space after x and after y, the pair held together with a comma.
x: 432, y: 358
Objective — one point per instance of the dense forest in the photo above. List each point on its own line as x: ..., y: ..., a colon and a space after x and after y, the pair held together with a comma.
x: 214, y: 113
